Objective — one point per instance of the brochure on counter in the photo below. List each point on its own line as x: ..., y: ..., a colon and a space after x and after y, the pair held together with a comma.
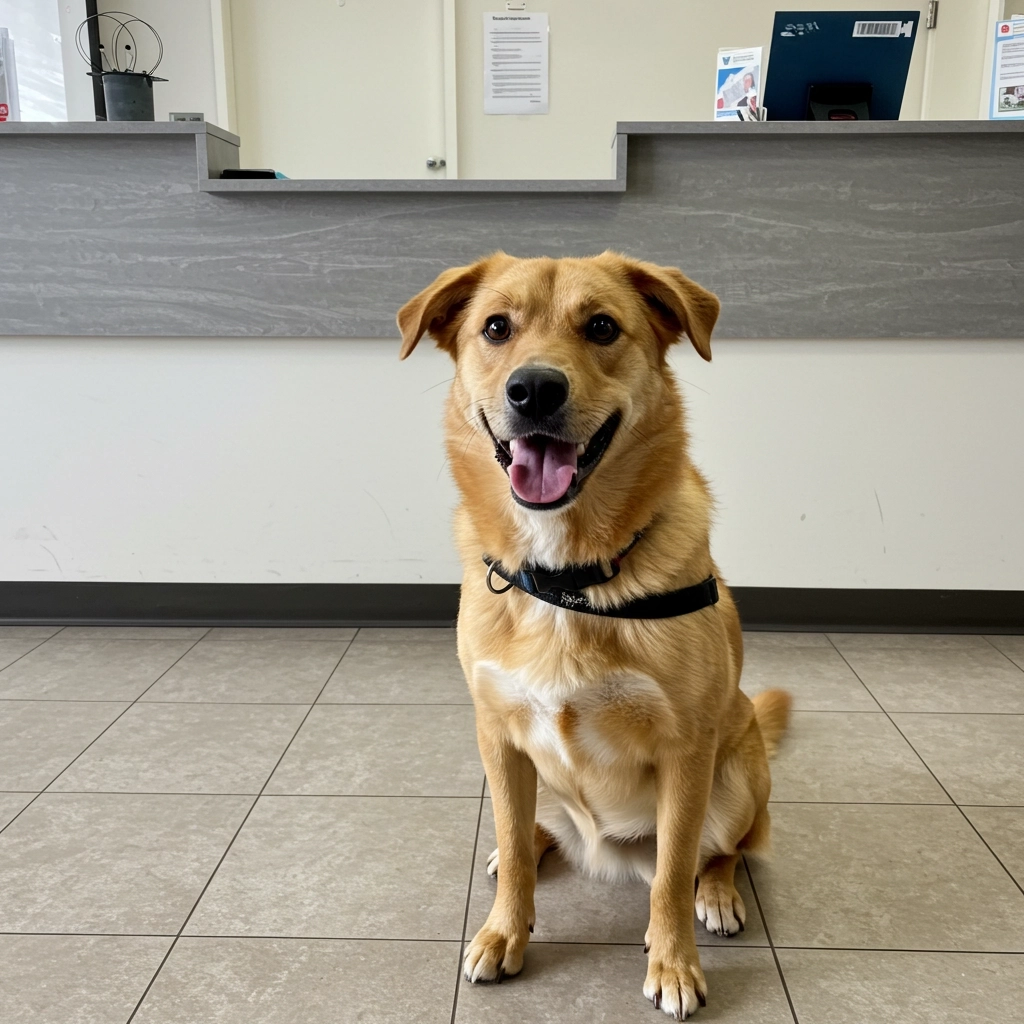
x: 1006, y: 102
x: 738, y: 85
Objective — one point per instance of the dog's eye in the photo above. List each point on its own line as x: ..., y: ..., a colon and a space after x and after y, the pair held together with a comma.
x: 602, y: 329
x: 497, y: 329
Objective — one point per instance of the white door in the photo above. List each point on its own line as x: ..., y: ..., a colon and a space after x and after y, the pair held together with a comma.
x: 330, y: 89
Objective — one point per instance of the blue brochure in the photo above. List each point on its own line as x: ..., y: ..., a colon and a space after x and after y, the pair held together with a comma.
x: 835, y: 47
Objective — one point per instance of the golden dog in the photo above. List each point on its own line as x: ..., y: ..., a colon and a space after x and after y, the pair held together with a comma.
x: 625, y: 742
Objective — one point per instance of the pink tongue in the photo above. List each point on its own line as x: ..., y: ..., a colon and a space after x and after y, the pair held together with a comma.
x: 542, y: 468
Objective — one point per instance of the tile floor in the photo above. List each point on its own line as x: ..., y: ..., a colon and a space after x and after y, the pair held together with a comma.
x: 199, y: 826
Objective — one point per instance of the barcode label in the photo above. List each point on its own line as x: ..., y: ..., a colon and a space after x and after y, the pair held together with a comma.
x: 875, y: 29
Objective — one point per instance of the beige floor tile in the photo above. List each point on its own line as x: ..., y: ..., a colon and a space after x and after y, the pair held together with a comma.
x: 407, y: 634
x: 132, y: 633
x: 90, y: 669
x: 120, y: 864
x: 338, y: 634
x: 273, y: 672
x: 948, y: 680
x: 303, y: 981
x: 13, y: 649
x: 398, y: 672
x: 885, y: 877
x: 842, y: 756
x: 1003, y: 829
x: 574, y: 908
x: 39, y: 738
x: 851, y: 643
x: 819, y: 679
x: 758, y: 640
x: 978, y: 758
x: 28, y: 632
x: 1011, y: 646
x: 592, y: 984
x: 346, y: 867
x: 856, y: 986
x: 75, y: 979
x: 383, y: 750
x: 186, y: 748
x: 10, y: 804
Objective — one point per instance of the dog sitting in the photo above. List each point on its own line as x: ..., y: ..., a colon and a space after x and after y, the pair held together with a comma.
x: 601, y: 650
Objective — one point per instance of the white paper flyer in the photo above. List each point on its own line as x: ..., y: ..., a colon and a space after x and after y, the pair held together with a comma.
x: 738, y: 85
x: 515, y: 63
x: 1007, y: 97
x: 9, y: 110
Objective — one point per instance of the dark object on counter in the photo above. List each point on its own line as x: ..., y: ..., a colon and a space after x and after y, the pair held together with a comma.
x: 839, y: 101
x: 127, y: 93
x: 248, y: 172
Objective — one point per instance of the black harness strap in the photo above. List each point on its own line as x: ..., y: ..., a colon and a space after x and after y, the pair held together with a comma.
x: 564, y: 588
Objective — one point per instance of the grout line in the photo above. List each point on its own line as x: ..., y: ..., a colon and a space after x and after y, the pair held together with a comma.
x: 768, y: 936
x: 29, y: 651
x: 101, y: 733
x: 540, y: 942
x: 469, y: 896
x: 266, y: 796
x: 231, y: 842
x: 1009, y: 875
x: 270, y: 703
x: 1004, y: 654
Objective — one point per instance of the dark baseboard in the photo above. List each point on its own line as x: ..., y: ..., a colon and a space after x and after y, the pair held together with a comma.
x: 408, y: 604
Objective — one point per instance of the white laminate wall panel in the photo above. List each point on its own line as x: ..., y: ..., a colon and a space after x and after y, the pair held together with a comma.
x: 835, y: 464
x: 324, y: 90
x: 186, y: 28
x: 645, y: 60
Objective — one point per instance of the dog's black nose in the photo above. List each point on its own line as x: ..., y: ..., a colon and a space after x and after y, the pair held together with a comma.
x: 536, y: 391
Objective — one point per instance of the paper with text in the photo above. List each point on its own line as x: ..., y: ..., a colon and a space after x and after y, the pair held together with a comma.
x: 515, y: 63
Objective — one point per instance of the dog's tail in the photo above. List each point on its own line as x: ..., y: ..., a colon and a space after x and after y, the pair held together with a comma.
x: 771, y: 709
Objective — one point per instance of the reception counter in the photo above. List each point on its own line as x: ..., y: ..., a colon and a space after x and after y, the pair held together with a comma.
x: 805, y: 230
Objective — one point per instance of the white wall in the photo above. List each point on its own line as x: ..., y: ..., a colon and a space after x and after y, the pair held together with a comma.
x: 330, y: 91
x: 836, y: 464
x: 185, y: 27
x: 645, y: 60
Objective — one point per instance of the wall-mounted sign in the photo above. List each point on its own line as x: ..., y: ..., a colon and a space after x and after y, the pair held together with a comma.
x: 515, y: 63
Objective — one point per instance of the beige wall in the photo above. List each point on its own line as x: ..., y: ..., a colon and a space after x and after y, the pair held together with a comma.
x: 186, y: 31
x: 329, y: 91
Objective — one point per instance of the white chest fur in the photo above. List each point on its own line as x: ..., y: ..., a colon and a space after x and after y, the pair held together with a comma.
x: 596, y: 798
x: 571, y: 717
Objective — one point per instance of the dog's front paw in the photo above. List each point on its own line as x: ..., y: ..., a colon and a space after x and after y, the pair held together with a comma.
x: 676, y: 985
x: 493, y: 954
x: 720, y: 907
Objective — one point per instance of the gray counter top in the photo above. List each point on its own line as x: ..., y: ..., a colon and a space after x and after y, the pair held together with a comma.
x: 856, y: 230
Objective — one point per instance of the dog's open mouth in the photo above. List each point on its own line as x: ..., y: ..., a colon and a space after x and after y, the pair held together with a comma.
x: 547, y: 472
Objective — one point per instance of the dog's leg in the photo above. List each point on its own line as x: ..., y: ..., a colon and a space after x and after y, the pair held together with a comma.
x: 498, y: 947
x: 719, y: 905
x: 542, y: 842
x: 675, y: 981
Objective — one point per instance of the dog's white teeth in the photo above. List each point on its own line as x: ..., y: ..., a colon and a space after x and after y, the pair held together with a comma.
x: 512, y: 445
x: 580, y: 448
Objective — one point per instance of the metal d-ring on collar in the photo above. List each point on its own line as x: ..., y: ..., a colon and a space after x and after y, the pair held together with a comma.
x: 564, y: 588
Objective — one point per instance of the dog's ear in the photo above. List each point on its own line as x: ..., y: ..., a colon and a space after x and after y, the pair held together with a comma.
x: 677, y: 304
x: 436, y: 309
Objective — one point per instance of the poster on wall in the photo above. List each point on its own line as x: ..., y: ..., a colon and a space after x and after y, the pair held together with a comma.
x: 1007, y: 98
x: 515, y: 63
x: 9, y: 109
x: 738, y: 85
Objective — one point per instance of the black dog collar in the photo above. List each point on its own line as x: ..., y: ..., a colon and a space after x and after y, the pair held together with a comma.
x: 563, y: 587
